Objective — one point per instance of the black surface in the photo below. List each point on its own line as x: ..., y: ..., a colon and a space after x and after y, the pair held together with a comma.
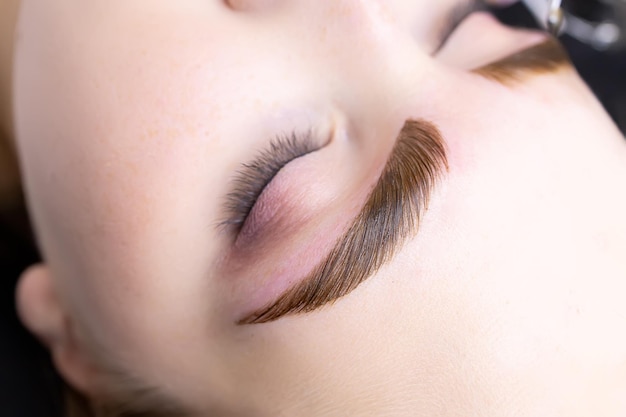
x: 29, y: 387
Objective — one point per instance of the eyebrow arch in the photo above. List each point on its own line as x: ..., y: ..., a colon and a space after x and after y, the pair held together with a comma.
x: 389, y: 217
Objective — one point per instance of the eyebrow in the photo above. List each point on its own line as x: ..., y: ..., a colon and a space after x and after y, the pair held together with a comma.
x: 393, y: 210
x: 389, y: 217
x: 546, y: 57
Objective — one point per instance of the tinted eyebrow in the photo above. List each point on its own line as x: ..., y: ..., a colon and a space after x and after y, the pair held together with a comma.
x: 546, y: 57
x: 390, y: 216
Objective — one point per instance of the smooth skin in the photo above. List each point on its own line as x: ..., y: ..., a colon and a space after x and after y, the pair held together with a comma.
x: 131, y: 118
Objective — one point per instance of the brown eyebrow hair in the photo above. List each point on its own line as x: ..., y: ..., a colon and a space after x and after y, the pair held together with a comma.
x: 393, y: 210
x: 545, y: 57
x: 390, y: 216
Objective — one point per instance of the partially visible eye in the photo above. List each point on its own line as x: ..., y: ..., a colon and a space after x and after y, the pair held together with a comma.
x: 455, y: 19
x: 255, y: 176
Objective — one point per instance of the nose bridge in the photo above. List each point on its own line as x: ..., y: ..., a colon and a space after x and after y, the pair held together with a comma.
x: 366, y: 29
x: 378, y: 64
x: 370, y: 16
x: 361, y: 41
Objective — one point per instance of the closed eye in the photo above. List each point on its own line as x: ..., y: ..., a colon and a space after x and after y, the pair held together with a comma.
x: 254, y: 177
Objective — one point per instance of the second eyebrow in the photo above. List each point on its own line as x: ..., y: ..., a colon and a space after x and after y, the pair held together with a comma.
x: 543, y: 58
x: 389, y: 217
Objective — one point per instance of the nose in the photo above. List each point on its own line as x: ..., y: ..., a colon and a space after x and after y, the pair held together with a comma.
x: 375, y: 34
x: 367, y: 50
x: 383, y: 50
x: 377, y: 58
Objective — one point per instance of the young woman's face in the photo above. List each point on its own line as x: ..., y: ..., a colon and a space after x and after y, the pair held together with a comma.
x: 148, y: 128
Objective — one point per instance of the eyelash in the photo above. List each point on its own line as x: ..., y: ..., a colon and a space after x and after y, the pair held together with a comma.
x: 255, y: 176
x: 252, y: 179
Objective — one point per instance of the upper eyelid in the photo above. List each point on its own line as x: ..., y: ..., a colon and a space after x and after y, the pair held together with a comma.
x: 254, y: 176
x: 389, y: 217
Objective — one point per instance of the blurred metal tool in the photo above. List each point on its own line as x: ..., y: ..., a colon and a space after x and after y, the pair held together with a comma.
x: 600, y: 24
x: 555, y: 17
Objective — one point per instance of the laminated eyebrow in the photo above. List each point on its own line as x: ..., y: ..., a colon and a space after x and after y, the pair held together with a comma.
x: 390, y: 217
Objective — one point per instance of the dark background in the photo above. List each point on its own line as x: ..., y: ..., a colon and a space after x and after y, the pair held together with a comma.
x: 28, y: 385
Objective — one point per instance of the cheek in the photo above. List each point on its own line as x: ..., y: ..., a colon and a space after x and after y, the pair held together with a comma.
x: 115, y: 166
